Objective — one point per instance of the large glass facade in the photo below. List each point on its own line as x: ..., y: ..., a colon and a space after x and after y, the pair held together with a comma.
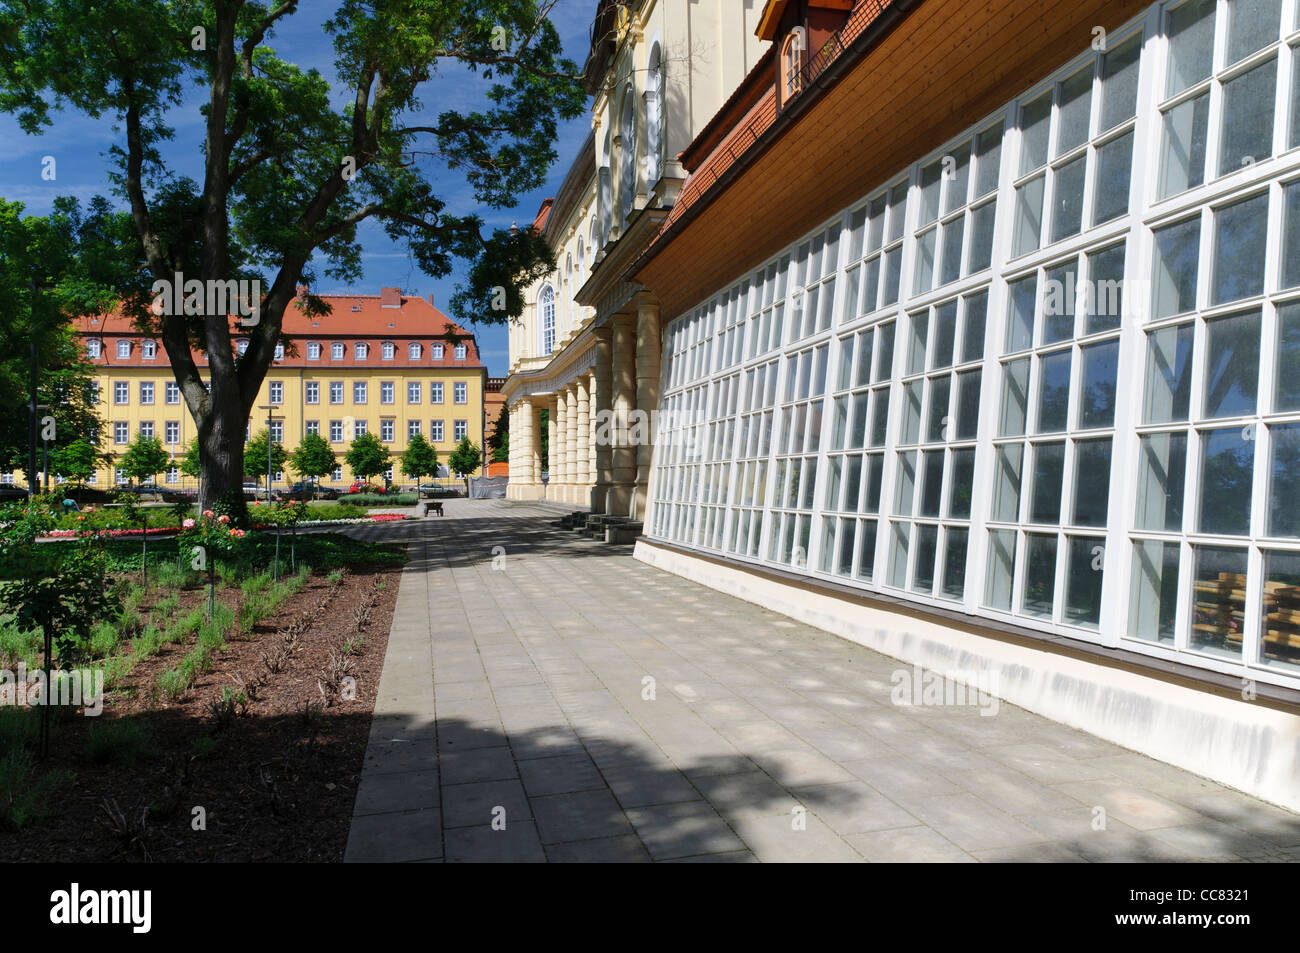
x: 1030, y: 377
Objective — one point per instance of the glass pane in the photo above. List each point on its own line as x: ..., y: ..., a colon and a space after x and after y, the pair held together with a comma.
x: 972, y: 335
x: 875, y: 482
x: 950, y: 260
x: 897, y: 211
x: 917, y: 344
x: 1190, y: 29
x: 893, y: 277
x: 927, y: 548
x: 937, y: 425
x: 1006, y: 484
x: 1091, y: 482
x: 1291, y: 235
x: 932, y: 483
x: 1177, y: 251
x: 982, y: 221
x: 1219, y: 607
x: 867, y: 549
x: 906, y: 489
x: 853, y: 485
x: 898, y: 555
x: 1083, y: 581
x: 1060, y: 293
x: 835, y: 474
x: 925, y: 247
x: 962, y: 484
x: 1002, y: 564
x: 1040, y: 575
x: 1248, y: 102
x: 954, y: 563
x: 1119, y: 82
x: 1280, y: 640
x: 1187, y: 128
x: 1054, y: 392
x: 1252, y: 25
x: 1029, y: 217
x: 1284, y: 481
x: 910, y: 431
x: 1169, y: 375
x: 1020, y: 322
x: 1227, y: 462
x: 1097, y: 387
x: 988, y: 151
x: 844, y: 547
x: 931, y: 181
x: 884, y: 353
x: 945, y: 333
x: 1240, y: 239
x: 1049, y: 470
x: 859, y: 431
x: 1015, y: 398
x: 1067, y: 198
x: 1074, y: 111
x: 1295, y: 97
x: 1232, y: 365
x: 1114, y: 172
x: 957, y: 181
x: 968, y: 405
x: 1162, y: 471
x: 1104, y: 293
x: 1286, y: 394
x: 1153, y: 603
x: 1035, y: 123
x: 875, y: 223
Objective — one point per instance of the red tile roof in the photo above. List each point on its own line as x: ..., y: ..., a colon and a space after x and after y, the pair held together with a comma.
x: 543, y: 214
x: 355, y: 318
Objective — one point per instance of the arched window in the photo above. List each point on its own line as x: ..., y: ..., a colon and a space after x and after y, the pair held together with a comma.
x: 580, y: 261
x: 546, y: 309
x: 413, y: 351
x: 654, y: 121
x: 568, y: 293
x: 627, y: 156
x: 605, y: 190
x: 361, y: 350
x: 593, y: 242
x: 792, y: 64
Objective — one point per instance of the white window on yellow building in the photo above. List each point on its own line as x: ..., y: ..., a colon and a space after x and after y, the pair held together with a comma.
x: 412, y: 429
x: 123, y: 349
x: 172, y: 392
x: 387, y: 428
x: 359, y: 392
x: 121, y: 432
x: 461, y: 430
x: 435, y: 431
x: 149, y: 350
x: 172, y: 432
x: 311, y: 392
x: 336, y: 431
x: 387, y: 392
x: 277, y: 392
x: 121, y: 392
x: 435, y: 392
x: 413, y: 392
x: 461, y: 392
x: 146, y: 392
x: 336, y: 392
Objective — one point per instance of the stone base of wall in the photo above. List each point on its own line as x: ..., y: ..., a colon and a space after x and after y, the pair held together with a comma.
x: 1252, y: 747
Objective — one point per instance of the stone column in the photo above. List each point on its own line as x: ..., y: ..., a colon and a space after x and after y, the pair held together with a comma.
x: 591, y: 427
x: 558, y: 475
x: 647, y: 396
x: 535, y: 442
x: 571, y: 435
x: 582, y: 433
x: 601, y: 376
x: 552, y: 456
x: 522, y: 438
x: 623, y: 383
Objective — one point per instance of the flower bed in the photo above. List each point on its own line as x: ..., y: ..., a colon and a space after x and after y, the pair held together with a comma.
x: 158, y: 530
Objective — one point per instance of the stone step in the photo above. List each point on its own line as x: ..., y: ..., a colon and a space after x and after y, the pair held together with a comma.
x: 623, y: 533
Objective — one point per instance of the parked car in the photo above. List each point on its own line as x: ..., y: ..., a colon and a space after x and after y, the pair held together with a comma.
x: 438, y: 489
x: 359, y: 486
x: 311, y: 491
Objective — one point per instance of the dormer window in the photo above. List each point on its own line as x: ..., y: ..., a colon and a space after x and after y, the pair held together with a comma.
x: 388, y: 350
x: 461, y: 351
x: 336, y: 351
x: 435, y: 352
x: 362, y: 350
x: 792, y: 64
x: 92, y: 349
x: 313, y: 351
x: 413, y: 351
x: 149, y: 350
x: 279, y: 352
x: 241, y: 346
x: 123, y: 349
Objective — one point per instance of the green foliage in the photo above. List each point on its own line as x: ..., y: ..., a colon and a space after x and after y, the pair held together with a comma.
x: 367, y: 456
x: 379, y: 499
x: 144, y: 458
x: 77, y: 461
x: 120, y: 740
x: 204, y: 747
x: 313, y: 458
x: 420, y: 458
x: 499, y: 440
x: 465, y: 459
x: 255, y: 455
x: 19, y: 728
x: 232, y: 503
x: 24, y: 797
x: 17, y: 643
x: 192, y: 463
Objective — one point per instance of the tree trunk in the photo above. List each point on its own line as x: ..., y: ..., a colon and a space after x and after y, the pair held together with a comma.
x: 221, y: 436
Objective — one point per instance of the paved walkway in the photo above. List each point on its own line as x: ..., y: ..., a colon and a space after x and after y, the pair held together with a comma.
x: 548, y: 698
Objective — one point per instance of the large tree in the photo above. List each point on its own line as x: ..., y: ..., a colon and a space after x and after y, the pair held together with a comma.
x: 287, y: 176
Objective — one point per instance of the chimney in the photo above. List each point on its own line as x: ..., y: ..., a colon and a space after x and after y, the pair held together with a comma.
x: 390, y: 297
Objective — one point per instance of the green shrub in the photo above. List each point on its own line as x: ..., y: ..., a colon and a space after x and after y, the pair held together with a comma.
x: 24, y: 798
x: 173, y: 684
x: 205, y: 747
x: 379, y: 499
x: 19, y: 727
x: 165, y: 607
x: 104, y: 638
x: 335, y: 578
x: 18, y: 644
x: 121, y: 740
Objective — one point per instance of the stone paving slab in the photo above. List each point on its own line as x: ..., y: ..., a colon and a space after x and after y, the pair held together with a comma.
x: 572, y: 705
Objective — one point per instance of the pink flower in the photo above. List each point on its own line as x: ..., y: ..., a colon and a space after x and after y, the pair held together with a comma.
x: 208, y: 514
x: 223, y: 518
x: 237, y: 533
x: 188, y: 524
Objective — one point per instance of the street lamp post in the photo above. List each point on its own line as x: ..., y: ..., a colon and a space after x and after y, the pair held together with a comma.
x: 269, y: 444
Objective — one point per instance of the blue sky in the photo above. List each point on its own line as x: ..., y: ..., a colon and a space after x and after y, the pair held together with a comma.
x: 79, y: 147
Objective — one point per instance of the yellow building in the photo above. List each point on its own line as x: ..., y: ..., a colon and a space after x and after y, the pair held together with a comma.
x: 389, y: 364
